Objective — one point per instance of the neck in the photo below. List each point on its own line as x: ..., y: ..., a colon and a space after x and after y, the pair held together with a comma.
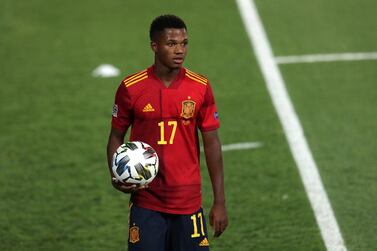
x: 166, y: 74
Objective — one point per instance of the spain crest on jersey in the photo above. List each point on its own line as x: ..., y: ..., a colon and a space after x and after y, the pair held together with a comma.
x: 188, y: 109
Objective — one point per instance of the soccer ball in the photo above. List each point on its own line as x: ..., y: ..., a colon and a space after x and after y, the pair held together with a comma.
x: 135, y: 162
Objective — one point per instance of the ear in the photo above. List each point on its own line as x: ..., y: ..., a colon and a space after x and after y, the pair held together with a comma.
x: 154, y: 46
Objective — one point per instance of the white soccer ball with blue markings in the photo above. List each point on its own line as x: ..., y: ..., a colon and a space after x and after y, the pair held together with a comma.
x: 135, y: 162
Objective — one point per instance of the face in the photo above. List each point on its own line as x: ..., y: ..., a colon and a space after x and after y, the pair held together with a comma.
x: 170, y: 47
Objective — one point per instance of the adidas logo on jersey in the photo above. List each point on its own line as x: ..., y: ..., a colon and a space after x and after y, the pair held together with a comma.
x: 204, y: 243
x: 148, y: 108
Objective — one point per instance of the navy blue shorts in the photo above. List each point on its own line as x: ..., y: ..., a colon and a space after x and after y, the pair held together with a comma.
x: 155, y: 231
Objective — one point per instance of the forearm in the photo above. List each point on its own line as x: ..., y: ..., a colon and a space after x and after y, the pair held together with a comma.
x: 116, y: 138
x: 212, y: 149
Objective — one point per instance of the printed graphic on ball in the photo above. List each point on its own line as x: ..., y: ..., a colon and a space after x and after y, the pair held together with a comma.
x: 135, y: 162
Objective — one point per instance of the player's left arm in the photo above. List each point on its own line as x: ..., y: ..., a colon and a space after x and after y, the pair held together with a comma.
x: 212, y: 148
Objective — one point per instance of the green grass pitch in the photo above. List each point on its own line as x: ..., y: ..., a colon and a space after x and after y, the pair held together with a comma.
x: 55, y: 118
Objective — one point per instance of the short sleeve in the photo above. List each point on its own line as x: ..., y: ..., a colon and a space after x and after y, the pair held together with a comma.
x: 122, y: 111
x: 208, y: 117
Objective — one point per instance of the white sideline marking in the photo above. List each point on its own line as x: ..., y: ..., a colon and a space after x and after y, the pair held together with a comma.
x: 314, y: 58
x: 299, y: 147
x: 239, y: 146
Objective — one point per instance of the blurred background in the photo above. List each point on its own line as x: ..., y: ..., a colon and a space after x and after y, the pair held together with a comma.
x: 55, y: 116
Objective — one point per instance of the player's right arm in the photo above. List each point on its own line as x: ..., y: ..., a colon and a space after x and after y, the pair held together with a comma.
x: 116, y: 138
x: 121, y: 120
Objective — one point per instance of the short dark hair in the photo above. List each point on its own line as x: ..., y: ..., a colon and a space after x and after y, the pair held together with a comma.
x: 165, y: 21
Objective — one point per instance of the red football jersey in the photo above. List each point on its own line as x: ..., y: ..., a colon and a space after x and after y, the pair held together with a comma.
x: 167, y: 118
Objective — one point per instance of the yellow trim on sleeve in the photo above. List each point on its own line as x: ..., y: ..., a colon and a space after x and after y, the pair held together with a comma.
x: 197, y: 75
x: 195, y: 79
x: 133, y: 77
x: 128, y: 84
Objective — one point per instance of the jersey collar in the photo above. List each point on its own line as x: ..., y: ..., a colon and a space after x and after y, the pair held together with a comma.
x: 174, y: 84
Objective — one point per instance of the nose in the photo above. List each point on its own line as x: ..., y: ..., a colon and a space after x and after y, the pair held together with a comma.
x: 179, y: 49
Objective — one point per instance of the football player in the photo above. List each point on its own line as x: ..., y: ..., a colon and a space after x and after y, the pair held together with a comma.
x: 166, y: 105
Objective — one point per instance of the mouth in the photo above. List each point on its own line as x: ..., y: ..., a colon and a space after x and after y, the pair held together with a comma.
x: 178, y: 60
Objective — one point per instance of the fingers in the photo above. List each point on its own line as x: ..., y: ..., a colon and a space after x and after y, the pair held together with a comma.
x: 126, y: 188
x: 219, y: 228
x: 218, y: 220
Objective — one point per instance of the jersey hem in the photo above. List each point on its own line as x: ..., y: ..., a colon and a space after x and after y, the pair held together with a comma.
x: 168, y: 211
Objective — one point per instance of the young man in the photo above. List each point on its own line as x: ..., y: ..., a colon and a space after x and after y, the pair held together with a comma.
x: 165, y: 105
